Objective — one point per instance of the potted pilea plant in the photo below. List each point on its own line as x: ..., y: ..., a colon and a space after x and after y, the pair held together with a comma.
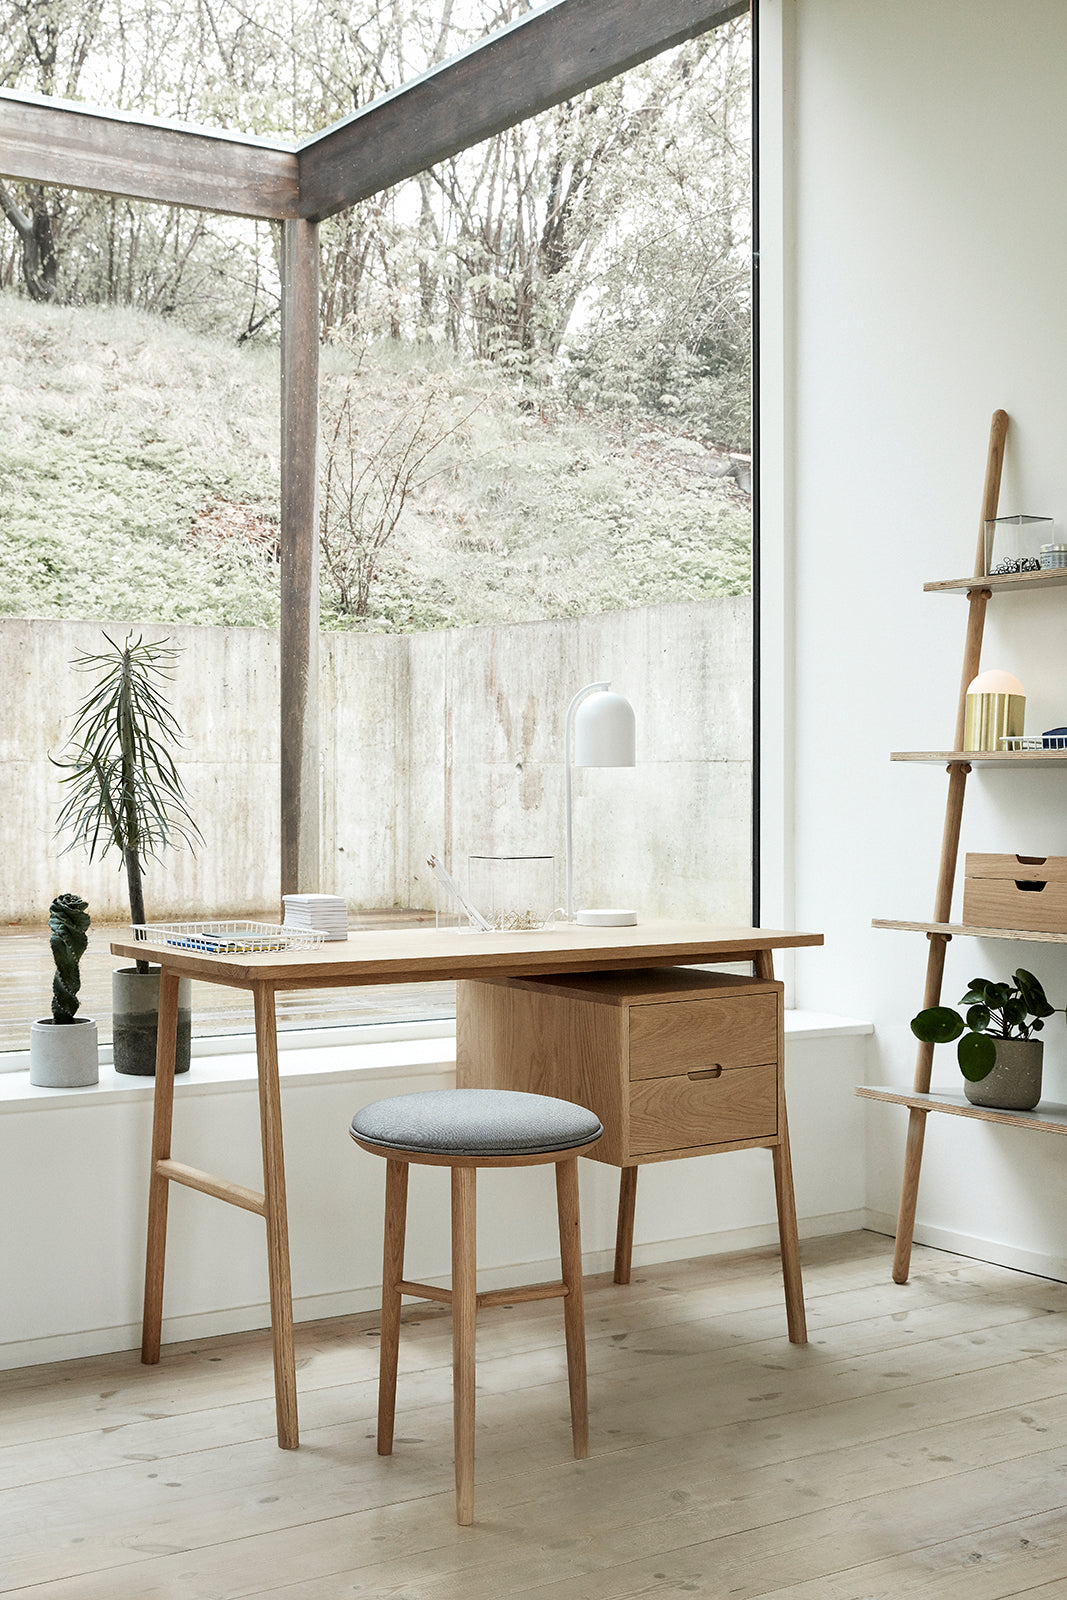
x: 63, y: 1048
x: 124, y: 792
x: 998, y: 1055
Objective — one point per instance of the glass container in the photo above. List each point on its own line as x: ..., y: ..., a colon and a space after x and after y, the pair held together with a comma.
x: 514, y: 893
x: 1013, y: 544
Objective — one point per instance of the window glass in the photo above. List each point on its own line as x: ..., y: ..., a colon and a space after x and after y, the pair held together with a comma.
x: 536, y: 474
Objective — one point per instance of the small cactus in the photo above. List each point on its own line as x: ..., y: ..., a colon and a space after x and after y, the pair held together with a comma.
x: 68, y: 918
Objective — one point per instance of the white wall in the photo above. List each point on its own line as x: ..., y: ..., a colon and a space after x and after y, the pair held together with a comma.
x: 915, y: 240
x: 74, y: 1171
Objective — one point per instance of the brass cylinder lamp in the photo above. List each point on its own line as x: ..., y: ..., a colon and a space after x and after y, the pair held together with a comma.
x: 996, y: 703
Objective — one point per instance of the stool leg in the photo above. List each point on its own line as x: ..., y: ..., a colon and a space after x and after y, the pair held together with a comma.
x: 464, y: 1310
x: 396, y: 1200
x: 570, y: 1254
x: 624, y: 1231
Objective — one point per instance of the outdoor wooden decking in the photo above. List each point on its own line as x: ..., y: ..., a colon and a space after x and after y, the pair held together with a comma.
x: 913, y: 1450
x: 26, y: 988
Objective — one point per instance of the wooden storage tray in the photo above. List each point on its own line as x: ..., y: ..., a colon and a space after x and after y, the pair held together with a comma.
x: 1026, y: 892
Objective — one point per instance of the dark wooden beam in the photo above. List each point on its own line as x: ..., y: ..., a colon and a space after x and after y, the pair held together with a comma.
x: 537, y: 62
x: 300, y: 806
x: 80, y: 147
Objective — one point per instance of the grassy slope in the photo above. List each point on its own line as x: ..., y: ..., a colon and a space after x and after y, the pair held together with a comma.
x: 138, y: 479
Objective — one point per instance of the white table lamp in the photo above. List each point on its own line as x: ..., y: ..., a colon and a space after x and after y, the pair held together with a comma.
x: 599, y: 733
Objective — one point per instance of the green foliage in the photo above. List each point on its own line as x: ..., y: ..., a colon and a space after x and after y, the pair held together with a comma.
x: 665, y: 287
x: 68, y: 920
x: 138, y: 475
x: 123, y: 788
x: 117, y: 430
x: 995, y: 1010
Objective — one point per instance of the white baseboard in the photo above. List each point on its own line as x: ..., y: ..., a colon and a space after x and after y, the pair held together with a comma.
x: 995, y: 1251
x: 311, y: 1308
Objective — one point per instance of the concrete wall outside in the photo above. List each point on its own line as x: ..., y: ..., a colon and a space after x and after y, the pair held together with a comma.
x: 449, y: 742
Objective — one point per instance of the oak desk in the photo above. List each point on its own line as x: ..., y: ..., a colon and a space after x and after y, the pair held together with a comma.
x: 378, y: 956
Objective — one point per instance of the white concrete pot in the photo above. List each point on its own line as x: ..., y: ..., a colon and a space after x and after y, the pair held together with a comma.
x: 63, y: 1055
x: 1015, y: 1082
x: 134, y: 1013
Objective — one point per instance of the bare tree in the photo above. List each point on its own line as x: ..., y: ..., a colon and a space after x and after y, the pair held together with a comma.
x: 47, y: 42
x: 372, y: 469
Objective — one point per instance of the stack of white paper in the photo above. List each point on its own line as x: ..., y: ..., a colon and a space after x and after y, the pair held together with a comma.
x: 319, y: 913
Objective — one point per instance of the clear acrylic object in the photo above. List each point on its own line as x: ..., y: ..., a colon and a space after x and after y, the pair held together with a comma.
x: 1013, y: 544
x: 515, y: 893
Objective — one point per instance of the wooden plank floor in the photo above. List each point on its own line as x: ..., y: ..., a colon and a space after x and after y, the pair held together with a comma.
x: 916, y: 1447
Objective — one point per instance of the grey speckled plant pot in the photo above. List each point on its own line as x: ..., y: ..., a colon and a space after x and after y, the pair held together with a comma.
x: 1015, y: 1082
x: 63, y: 1055
x: 134, y: 1010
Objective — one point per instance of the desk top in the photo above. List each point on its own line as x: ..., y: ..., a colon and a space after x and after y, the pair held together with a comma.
x: 414, y: 955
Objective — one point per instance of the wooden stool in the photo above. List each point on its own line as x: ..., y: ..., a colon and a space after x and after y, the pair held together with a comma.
x: 466, y: 1129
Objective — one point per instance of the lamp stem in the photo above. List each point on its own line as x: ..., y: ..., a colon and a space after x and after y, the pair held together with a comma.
x: 590, y: 688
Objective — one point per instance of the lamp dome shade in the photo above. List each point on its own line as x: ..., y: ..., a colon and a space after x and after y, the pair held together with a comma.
x: 604, y: 731
x: 995, y: 682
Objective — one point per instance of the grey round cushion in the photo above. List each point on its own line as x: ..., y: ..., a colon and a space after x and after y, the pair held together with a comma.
x: 476, y: 1122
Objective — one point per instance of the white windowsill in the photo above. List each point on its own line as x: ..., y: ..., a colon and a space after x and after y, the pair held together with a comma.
x: 325, y: 1056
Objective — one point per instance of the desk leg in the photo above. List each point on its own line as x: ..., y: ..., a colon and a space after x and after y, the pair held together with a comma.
x: 281, y: 1292
x: 796, y: 1320
x: 624, y: 1230
x: 795, y: 1317
x: 158, y: 1185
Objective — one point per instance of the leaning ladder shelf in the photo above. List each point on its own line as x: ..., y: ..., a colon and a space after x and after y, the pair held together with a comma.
x: 979, y: 589
x: 1050, y: 1119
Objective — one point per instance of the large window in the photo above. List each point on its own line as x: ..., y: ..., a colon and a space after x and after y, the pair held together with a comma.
x: 537, y: 472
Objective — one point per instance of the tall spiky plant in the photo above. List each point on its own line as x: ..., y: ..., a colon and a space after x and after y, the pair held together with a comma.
x: 124, y: 790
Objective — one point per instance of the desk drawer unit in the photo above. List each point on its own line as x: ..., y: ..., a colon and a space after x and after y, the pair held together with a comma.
x: 673, y: 1061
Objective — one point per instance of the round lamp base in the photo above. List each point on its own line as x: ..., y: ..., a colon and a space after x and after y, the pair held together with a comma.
x: 606, y: 919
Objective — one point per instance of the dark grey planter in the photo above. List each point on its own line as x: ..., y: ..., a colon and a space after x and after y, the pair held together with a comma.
x: 134, y: 1012
x: 1015, y: 1082
x: 63, y: 1055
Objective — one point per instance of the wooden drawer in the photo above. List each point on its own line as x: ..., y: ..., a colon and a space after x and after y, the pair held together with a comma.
x: 683, y: 1113
x: 693, y: 1035
x: 1025, y: 892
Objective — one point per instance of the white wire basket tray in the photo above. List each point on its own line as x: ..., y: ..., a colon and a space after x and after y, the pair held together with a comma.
x: 228, y: 938
x: 1035, y: 741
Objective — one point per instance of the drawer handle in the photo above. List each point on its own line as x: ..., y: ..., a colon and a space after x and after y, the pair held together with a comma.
x: 710, y: 1072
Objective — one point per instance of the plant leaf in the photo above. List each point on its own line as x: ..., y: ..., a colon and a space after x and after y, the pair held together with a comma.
x: 1033, y: 993
x: 937, y: 1025
x: 977, y: 1056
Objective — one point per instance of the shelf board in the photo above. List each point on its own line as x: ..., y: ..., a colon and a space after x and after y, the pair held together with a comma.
x: 1051, y: 579
x: 992, y: 758
x: 1048, y: 1118
x: 966, y: 930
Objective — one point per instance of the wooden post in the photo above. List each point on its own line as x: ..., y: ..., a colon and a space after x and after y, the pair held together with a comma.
x: 300, y: 779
